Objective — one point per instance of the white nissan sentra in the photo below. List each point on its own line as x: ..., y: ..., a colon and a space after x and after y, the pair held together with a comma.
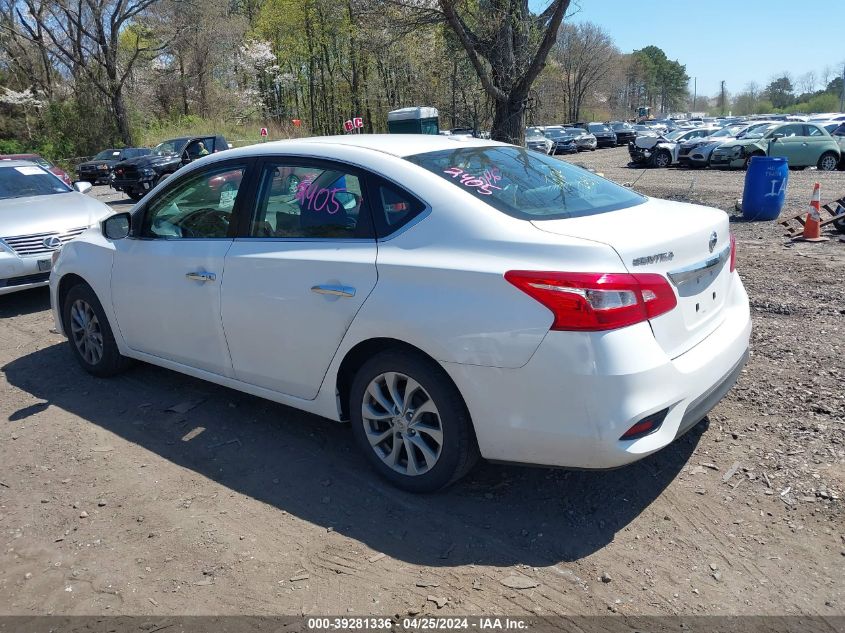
x: 449, y: 297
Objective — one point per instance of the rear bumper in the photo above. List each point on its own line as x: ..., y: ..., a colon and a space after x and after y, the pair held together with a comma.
x: 579, y: 393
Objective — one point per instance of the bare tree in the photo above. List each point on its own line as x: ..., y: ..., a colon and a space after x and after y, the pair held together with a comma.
x: 91, y: 39
x: 507, y: 45
x: 826, y: 74
x: 807, y: 81
x: 586, y: 55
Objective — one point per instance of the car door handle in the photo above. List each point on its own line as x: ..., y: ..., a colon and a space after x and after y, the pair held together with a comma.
x: 337, y: 291
x: 201, y: 276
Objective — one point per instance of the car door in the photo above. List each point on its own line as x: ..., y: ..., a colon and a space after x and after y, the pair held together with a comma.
x: 816, y: 143
x: 788, y: 145
x: 298, y: 274
x: 166, y: 276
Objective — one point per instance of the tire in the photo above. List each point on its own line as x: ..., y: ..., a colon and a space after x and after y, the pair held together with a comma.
x: 81, y: 313
x: 749, y: 157
x: 839, y: 224
x: 828, y: 162
x: 662, y: 159
x: 135, y: 195
x: 439, y: 465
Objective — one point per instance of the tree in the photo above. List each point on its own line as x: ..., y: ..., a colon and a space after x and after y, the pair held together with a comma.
x: 807, y: 82
x: 85, y: 37
x: 585, y: 55
x: 657, y: 81
x: 780, y: 92
x: 507, y: 45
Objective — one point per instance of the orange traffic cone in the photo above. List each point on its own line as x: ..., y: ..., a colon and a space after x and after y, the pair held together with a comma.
x: 812, y: 225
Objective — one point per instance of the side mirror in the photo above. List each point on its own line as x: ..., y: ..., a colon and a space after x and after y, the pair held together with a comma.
x: 347, y: 200
x: 776, y: 136
x: 116, y: 227
x: 82, y: 186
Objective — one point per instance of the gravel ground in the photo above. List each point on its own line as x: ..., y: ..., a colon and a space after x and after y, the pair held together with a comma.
x: 112, y: 503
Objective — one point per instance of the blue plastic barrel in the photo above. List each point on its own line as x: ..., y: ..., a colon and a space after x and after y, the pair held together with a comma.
x: 765, y: 188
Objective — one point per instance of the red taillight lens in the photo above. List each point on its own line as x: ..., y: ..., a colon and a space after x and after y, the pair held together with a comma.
x: 733, y: 253
x: 596, y: 301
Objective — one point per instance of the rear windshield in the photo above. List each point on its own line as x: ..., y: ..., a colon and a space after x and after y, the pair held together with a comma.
x: 525, y: 184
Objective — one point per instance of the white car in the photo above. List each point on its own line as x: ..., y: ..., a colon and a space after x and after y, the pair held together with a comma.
x: 448, y: 297
x: 38, y: 214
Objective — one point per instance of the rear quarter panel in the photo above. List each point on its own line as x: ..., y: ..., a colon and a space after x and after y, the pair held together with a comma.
x: 441, y: 283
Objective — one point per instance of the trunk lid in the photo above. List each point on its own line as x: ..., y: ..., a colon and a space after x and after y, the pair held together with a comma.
x: 672, y: 239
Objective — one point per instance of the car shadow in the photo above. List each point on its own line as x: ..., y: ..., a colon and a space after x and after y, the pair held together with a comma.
x: 24, y: 302
x: 309, y: 467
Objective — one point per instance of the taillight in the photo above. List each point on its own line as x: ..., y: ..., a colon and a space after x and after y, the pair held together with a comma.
x: 596, y: 301
x: 733, y: 253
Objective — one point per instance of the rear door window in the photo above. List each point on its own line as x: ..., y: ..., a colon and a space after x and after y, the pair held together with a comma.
x: 299, y: 199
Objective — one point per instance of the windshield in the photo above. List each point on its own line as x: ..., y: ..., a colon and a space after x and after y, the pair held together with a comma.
x: 526, y: 185
x: 169, y: 147
x: 759, y: 131
x: 535, y: 136
x: 621, y: 126
x: 107, y: 154
x: 598, y: 127
x: 556, y: 134
x: 575, y: 131
x: 675, y: 134
x: 28, y: 180
x: 731, y: 130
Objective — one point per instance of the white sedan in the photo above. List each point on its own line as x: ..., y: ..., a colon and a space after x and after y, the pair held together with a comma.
x: 449, y: 297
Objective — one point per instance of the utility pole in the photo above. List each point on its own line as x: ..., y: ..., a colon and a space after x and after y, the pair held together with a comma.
x: 722, y: 98
x: 842, y: 97
x: 694, y: 93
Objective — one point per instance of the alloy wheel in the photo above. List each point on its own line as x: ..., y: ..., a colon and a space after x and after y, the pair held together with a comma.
x: 402, y: 424
x: 828, y: 163
x: 86, y: 332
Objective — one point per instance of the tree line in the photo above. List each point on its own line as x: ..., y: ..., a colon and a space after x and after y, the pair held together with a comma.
x: 80, y: 75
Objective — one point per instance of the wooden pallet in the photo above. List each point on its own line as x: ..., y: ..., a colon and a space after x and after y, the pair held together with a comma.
x: 795, y: 224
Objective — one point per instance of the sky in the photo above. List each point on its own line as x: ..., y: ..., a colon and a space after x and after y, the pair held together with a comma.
x: 733, y: 40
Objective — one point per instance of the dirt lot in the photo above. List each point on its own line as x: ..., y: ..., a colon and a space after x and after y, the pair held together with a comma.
x: 110, y: 503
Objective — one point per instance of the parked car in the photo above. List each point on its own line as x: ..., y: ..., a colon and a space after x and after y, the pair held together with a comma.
x: 584, y: 140
x: 46, y: 164
x: 802, y: 144
x: 663, y: 150
x: 563, y: 142
x: 645, y: 130
x: 534, y: 139
x: 38, y: 215
x: 696, y: 152
x: 625, y: 132
x: 597, y: 325
x: 605, y: 136
x: 838, y: 134
x: 137, y: 176
x: 98, y: 169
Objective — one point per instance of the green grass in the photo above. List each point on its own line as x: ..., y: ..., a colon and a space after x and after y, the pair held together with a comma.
x: 237, y: 134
